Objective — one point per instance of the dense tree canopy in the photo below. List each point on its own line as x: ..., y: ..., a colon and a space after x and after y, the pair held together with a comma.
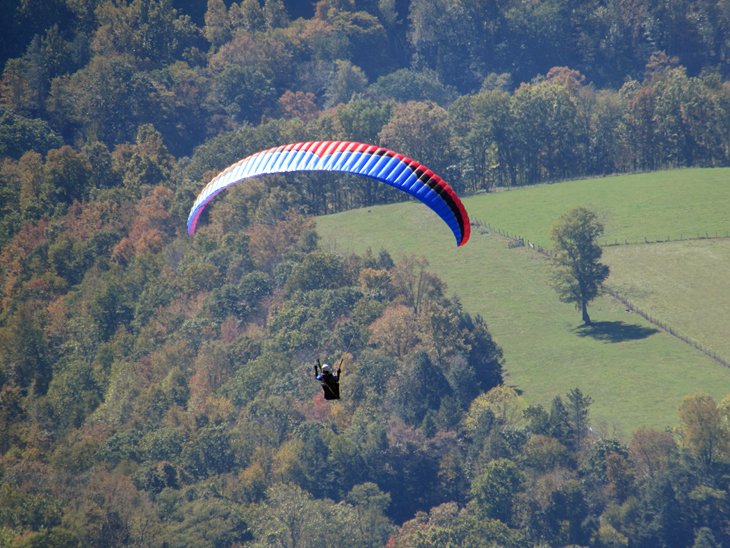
x: 157, y: 389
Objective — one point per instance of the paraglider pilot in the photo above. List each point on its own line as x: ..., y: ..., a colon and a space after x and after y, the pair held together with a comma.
x: 330, y: 383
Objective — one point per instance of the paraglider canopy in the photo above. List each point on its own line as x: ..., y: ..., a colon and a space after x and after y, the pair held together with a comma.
x: 370, y: 161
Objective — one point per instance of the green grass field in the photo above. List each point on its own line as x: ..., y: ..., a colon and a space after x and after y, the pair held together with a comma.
x: 636, y: 374
x: 685, y: 285
x: 661, y: 205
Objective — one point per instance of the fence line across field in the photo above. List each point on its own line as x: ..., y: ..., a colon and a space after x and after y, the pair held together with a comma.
x: 484, y: 228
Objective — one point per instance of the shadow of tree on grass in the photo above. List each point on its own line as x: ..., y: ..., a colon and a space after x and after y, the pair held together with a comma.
x: 615, y: 331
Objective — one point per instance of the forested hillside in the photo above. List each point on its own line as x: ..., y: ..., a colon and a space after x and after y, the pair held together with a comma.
x: 158, y: 390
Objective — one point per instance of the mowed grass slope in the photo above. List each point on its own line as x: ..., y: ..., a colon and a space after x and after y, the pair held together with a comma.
x: 685, y: 285
x: 677, y: 204
x: 636, y: 374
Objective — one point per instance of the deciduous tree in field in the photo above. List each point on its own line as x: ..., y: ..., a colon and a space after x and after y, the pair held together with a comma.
x: 577, y: 273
